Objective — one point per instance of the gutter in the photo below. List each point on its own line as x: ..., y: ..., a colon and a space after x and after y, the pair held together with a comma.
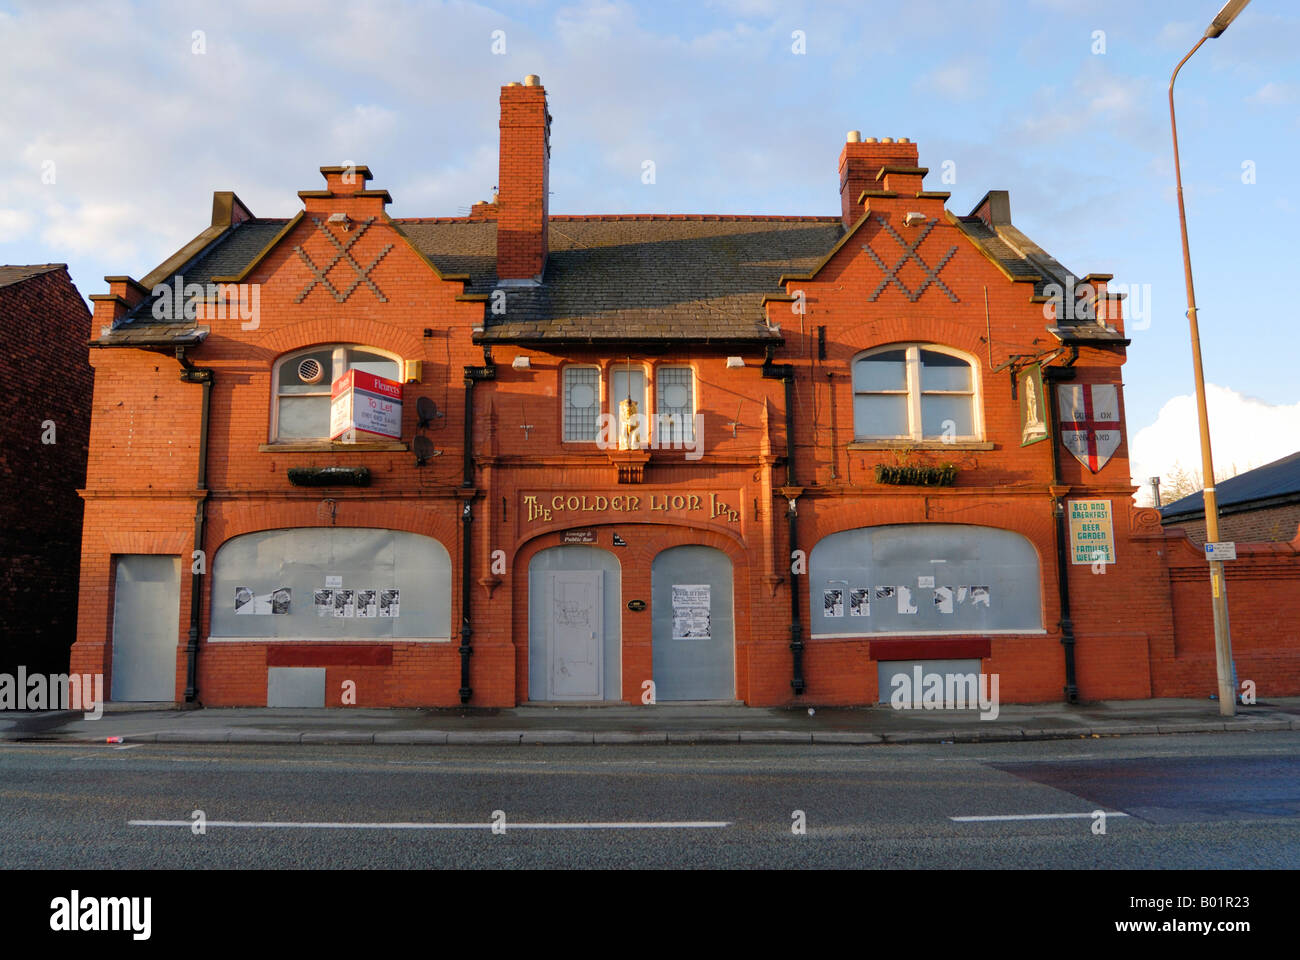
x: 1054, y: 374
x: 785, y: 373
x: 472, y: 375
x: 198, y: 566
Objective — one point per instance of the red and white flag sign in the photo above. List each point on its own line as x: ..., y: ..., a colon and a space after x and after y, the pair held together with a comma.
x: 1090, y: 426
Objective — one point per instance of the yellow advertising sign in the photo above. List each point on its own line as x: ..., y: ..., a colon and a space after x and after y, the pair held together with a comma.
x: 1092, y: 537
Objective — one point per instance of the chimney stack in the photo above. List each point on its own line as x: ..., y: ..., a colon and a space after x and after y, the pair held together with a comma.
x: 860, y: 161
x: 523, y: 181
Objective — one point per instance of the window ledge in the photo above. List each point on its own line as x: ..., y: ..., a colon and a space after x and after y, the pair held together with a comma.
x: 920, y: 445
x: 326, y: 446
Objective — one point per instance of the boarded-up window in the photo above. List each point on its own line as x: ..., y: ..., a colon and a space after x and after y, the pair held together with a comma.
x: 924, y: 578
x: 331, y: 583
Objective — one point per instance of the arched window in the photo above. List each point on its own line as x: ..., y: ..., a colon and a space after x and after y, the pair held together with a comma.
x: 331, y: 583
x: 301, y: 408
x: 917, y: 391
x: 924, y: 579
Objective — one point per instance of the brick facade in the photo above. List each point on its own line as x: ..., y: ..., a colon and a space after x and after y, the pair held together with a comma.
x: 527, y: 485
x: 46, y: 381
x: 1279, y: 524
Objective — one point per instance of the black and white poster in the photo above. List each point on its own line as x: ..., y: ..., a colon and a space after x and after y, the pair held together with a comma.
x: 833, y: 602
x: 691, y: 611
x: 388, y: 603
x: 324, y: 601
x: 859, y: 602
x: 344, y: 605
x: 366, y: 603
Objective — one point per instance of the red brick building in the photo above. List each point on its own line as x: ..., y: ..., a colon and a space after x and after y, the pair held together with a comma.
x: 1261, y: 505
x: 829, y: 472
x: 47, y: 385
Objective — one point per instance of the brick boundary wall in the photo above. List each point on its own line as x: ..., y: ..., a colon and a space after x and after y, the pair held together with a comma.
x: 1263, y: 586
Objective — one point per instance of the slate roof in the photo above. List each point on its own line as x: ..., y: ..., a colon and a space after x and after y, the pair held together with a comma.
x: 638, y: 277
x: 1279, y: 479
x: 608, y: 278
x: 17, y: 274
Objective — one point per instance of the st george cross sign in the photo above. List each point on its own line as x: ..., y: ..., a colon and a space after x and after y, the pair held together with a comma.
x: 1090, y: 426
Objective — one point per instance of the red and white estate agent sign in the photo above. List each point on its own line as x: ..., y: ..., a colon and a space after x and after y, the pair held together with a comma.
x: 364, y: 406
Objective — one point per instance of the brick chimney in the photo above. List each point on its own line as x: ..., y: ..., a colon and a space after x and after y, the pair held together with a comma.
x: 523, y: 181
x: 860, y: 162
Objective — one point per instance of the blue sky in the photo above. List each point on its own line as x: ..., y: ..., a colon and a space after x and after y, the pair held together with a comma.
x: 138, y: 129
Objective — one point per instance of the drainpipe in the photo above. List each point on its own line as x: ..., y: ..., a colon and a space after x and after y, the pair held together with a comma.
x: 785, y: 373
x: 1054, y: 374
x: 472, y: 375
x: 202, y: 376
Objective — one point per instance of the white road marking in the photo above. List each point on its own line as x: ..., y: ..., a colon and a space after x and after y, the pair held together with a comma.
x: 1034, y: 816
x: 278, y: 825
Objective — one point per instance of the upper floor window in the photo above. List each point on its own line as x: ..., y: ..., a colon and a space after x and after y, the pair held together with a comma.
x: 914, y: 392
x: 581, y: 403
x: 675, y: 404
x: 302, y: 386
x: 671, y: 422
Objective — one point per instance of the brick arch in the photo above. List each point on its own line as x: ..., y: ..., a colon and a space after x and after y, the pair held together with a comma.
x: 698, y: 528
x: 231, y: 519
x: 881, y: 332
x: 634, y: 561
x: 1040, y: 531
x: 360, y: 330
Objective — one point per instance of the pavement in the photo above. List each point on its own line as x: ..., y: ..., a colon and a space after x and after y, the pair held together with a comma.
x: 677, y: 723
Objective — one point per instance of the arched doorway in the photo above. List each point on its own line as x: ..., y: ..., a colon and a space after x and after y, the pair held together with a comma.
x: 693, y: 624
x: 574, y: 624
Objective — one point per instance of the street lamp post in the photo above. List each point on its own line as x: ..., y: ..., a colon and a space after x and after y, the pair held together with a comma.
x: 1218, y: 587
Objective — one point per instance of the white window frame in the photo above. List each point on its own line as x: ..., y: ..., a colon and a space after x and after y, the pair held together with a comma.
x: 647, y: 374
x: 914, y: 393
x: 340, y: 360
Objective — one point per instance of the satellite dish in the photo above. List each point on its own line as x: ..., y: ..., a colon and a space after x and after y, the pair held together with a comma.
x: 424, y: 451
x: 426, y: 410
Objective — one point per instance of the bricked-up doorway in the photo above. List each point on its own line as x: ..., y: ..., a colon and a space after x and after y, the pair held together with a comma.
x: 693, y: 624
x: 574, y: 625
x: 146, y: 617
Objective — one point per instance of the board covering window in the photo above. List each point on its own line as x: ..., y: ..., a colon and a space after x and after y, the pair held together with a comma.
x: 914, y: 392
x: 331, y: 583
x: 302, y: 386
x: 924, y: 579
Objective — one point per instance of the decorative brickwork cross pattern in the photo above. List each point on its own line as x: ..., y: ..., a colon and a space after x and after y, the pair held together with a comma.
x: 909, y: 253
x: 344, y: 253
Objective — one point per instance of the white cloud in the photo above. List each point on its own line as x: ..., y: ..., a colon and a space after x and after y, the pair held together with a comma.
x: 13, y: 224
x: 1244, y: 433
x: 956, y: 80
x: 1272, y: 94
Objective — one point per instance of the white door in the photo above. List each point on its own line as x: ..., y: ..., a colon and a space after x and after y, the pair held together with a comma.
x: 146, y: 623
x: 575, y: 634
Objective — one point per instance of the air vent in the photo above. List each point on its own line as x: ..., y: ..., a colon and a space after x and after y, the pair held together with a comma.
x: 310, y: 371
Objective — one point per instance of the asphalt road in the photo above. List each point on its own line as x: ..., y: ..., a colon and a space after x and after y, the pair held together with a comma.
x: 1193, y: 801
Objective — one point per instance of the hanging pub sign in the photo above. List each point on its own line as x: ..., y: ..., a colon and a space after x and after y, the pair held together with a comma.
x: 1033, y: 420
x: 364, y: 406
x: 1090, y: 427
